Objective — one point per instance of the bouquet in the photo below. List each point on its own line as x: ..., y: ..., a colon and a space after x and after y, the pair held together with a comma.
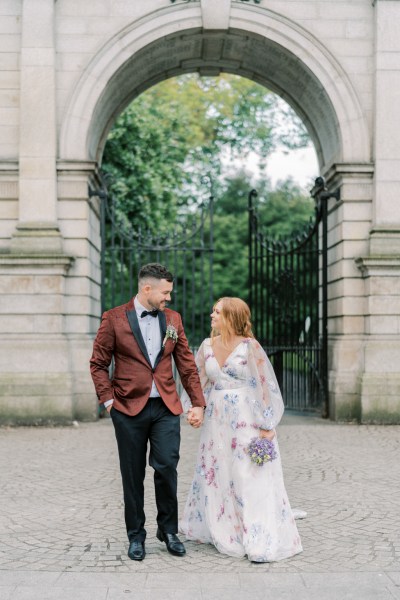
x: 261, y: 451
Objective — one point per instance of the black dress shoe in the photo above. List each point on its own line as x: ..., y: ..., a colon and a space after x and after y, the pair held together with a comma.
x: 174, y: 545
x: 136, y: 550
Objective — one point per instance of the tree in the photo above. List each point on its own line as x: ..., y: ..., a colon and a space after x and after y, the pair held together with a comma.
x: 157, y: 156
x: 282, y: 212
x: 285, y: 210
x: 172, y: 135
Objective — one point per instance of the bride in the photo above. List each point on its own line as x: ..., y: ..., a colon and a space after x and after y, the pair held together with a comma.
x: 237, y: 505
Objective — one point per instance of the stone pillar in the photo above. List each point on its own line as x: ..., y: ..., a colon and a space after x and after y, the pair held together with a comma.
x: 79, y: 221
x: 380, y: 385
x: 49, y: 312
x: 35, y: 381
x: 349, y: 223
x: 37, y: 230
x: 41, y: 361
x: 385, y: 234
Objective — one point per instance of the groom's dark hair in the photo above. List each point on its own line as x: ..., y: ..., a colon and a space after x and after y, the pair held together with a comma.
x: 156, y: 271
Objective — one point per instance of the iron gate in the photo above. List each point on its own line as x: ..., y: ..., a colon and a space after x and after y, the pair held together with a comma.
x: 287, y: 282
x: 187, y: 250
x: 288, y: 298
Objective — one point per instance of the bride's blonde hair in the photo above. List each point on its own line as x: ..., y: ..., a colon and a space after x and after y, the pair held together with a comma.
x: 235, y: 319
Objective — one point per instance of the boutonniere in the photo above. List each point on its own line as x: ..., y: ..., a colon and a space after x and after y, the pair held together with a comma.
x: 171, y: 333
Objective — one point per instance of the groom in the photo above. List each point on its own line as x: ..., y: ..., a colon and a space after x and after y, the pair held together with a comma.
x: 142, y: 336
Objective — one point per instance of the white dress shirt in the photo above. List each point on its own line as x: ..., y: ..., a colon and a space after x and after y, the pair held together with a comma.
x: 150, y: 330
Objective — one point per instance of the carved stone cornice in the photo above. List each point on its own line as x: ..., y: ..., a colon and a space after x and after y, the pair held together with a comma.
x: 379, y: 265
x: 25, y: 263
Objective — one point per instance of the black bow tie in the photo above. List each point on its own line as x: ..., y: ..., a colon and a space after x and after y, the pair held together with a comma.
x: 152, y: 313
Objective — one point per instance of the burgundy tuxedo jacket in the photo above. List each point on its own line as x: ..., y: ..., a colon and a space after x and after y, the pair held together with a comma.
x: 119, y: 336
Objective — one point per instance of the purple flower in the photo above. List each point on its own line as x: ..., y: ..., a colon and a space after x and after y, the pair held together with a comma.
x: 210, y: 476
x: 261, y: 451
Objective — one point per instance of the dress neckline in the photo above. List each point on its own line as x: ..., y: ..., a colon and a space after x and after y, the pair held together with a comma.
x: 229, y: 355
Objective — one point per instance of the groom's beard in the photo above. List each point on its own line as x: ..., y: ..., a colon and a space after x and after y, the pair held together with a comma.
x: 161, y: 306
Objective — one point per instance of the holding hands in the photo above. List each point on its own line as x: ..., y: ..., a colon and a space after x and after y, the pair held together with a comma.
x: 195, y: 416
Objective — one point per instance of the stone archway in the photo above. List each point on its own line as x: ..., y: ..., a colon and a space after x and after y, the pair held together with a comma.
x: 259, y: 45
x: 84, y: 79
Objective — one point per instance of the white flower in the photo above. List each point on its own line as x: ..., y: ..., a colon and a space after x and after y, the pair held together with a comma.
x: 171, y: 333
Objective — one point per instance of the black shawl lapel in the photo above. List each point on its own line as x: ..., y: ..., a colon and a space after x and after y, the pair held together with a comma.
x: 134, y: 324
x: 163, y: 329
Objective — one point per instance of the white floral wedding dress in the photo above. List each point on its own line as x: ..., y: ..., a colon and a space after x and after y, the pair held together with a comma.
x: 239, y: 507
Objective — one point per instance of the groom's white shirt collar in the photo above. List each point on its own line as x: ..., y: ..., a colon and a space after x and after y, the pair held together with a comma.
x: 150, y: 330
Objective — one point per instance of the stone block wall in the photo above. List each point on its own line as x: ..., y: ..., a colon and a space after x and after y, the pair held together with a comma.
x: 348, y: 236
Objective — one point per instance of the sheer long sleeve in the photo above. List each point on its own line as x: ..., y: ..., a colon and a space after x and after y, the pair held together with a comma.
x: 267, y: 403
x: 205, y: 383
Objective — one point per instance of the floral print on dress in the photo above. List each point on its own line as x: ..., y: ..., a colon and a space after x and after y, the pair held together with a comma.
x: 231, y: 372
x: 209, y: 409
x: 231, y: 398
x: 224, y: 504
x: 252, y: 381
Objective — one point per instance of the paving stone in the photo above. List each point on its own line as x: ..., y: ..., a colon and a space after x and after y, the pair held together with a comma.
x: 61, y: 517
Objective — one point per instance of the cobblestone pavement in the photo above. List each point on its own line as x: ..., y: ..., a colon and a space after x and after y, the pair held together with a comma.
x: 62, y: 526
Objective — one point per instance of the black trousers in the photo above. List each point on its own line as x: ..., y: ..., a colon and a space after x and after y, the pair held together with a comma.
x: 157, y: 425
